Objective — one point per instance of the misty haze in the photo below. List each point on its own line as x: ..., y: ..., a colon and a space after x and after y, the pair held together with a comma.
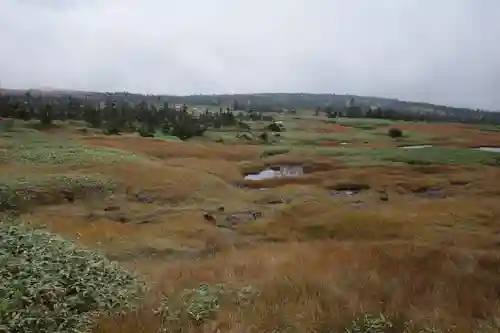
x: 442, y: 52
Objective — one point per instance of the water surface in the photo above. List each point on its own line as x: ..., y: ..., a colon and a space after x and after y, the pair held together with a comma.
x: 490, y: 149
x: 271, y: 173
x: 416, y: 147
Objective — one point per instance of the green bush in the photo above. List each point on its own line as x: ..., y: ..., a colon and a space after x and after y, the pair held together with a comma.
x: 489, y: 128
x: 276, y: 127
x: 145, y: 133
x: 112, y: 131
x: 199, y: 305
x: 370, y: 323
x: 395, y: 132
x: 48, y: 284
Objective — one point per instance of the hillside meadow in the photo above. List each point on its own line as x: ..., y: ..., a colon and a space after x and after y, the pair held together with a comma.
x: 372, y: 234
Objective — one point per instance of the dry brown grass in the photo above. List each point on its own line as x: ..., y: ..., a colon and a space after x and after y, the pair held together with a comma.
x: 174, y: 149
x: 320, y: 286
x: 316, y: 261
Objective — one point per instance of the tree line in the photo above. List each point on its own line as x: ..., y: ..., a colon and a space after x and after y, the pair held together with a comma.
x: 123, y: 112
x: 114, y: 116
x: 351, y: 110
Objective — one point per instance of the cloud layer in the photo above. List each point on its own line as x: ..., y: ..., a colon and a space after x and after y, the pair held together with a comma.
x: 444, y: 51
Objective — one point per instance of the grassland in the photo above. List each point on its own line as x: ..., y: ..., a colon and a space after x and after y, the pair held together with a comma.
x: 413, y: 247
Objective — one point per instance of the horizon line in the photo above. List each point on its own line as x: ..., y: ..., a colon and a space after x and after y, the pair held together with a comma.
x: 68, y: 91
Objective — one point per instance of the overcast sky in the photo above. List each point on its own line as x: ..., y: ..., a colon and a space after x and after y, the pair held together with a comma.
x: 440, y: 51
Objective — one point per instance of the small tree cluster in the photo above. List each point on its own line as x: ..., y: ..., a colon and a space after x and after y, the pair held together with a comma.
x: 114, y: 116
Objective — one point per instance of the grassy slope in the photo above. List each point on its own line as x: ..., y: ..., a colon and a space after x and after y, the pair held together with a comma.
x: 314, y: 264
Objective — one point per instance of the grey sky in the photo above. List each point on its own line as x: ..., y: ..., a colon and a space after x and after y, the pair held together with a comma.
x: 441, y: 51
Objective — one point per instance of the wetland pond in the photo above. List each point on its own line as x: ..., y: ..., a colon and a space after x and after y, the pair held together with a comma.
x: 490, y: 149
x: 276, y: 172
x: 416, y: 147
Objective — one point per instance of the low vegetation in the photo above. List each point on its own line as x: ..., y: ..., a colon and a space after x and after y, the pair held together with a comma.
x: 47, y: 284
x: 395, y: 132
x: 199, y: 307
x: 41, y: 149
x: 361, y: 123
x: 19, y: 193
x: 368, y: 235
x: 274, y: 151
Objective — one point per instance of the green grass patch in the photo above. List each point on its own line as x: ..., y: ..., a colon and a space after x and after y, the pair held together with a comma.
x: 371, y: 136
x: 40, y: 149
x: 35, y: 124
x: 228, y: 137
x: 48, y: 284
x: 361, y: 125
x: 166, y: 137
x: 423, y: 156
x: 362, y: 122
x: 489, y: 128
x: 440, y: 155
x: 315, y: 139
x: 22, y: 192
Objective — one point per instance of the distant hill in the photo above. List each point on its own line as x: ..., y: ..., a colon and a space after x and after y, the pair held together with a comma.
x: 272, y: 100
x: 349, y: 105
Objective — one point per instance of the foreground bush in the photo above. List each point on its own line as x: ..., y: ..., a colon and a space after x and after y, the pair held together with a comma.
x: 47, y: 284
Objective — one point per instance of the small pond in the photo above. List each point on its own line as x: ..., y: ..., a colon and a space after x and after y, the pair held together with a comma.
x: 416, y: 147
x: 490, y: 149
x: 344, y: 193
x: 282, y: 171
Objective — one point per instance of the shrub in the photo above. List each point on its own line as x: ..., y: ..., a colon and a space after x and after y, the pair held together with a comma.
x: 276, y: 127
x: 199, y: 305
x: 112, y: 131
x: 370, y: 323
x: 145, y: 133
x: 395, y: 132
x: 47, y: 284
x: 187, y: 128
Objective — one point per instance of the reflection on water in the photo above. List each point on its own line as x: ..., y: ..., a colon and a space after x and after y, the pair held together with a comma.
x: 416, y: 147
x: 343, y: 193
x: 490, y: 149
x: 284, y: 171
